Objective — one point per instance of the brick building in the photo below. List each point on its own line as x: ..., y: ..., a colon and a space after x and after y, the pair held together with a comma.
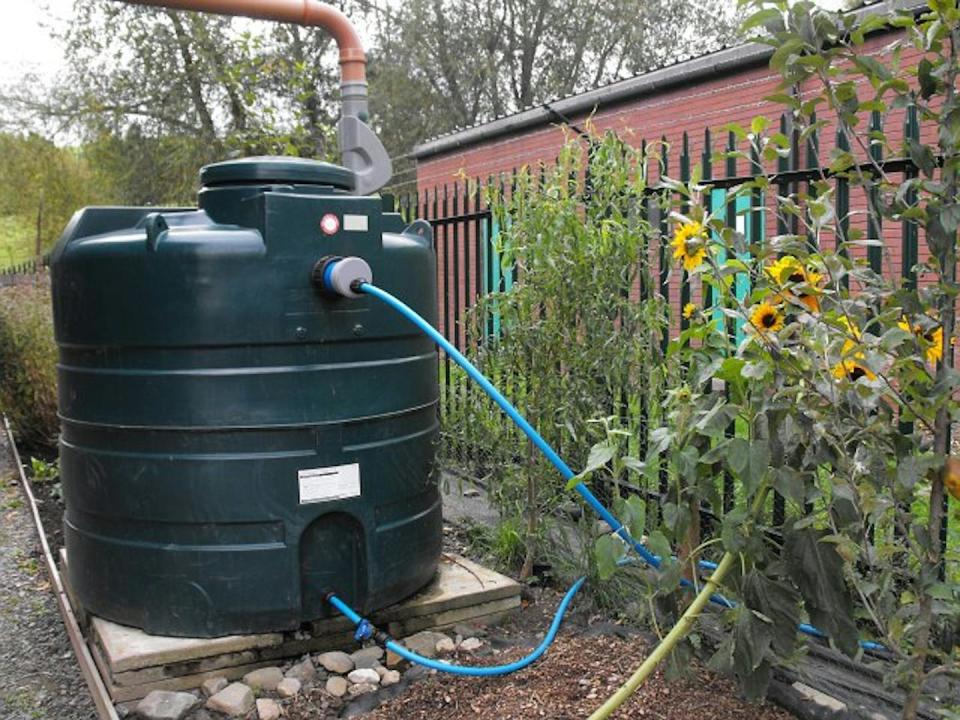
x: 682, y: 104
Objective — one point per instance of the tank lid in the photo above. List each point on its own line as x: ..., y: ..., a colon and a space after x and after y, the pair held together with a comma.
x: 270, y: 169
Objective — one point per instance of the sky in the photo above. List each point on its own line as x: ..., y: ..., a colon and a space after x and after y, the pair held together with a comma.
x: 25, y: 42
x: 27, y: 47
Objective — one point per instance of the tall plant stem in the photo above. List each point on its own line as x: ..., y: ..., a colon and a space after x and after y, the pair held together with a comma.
x: 679, y: 631
x: 948, y: 279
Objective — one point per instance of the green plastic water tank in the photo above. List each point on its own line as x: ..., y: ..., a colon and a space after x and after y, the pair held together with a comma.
x: 234, y: 443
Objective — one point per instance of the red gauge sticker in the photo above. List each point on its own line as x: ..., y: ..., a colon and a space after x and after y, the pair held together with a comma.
x: 330, y: 224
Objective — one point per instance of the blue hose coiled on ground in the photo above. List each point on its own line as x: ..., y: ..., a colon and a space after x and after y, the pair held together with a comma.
x: 365, y: 630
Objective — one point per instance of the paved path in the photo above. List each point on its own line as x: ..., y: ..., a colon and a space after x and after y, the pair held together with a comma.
x: 39, y: 677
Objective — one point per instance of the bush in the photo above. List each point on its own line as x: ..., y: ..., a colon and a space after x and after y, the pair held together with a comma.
x: 28, y: 357
x: 568, y: 340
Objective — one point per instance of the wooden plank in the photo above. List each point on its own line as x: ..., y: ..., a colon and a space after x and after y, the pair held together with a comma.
x: 98, y: 690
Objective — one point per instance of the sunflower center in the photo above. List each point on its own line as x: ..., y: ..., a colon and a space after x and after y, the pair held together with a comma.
x: 857, y: 372
x: 796, y: 276
x: 769, y: 320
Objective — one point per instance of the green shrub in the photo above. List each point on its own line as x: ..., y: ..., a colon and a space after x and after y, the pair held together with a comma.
x: 28, y: 356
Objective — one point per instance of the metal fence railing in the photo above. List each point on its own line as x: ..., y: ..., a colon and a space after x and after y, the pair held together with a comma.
x: 468, y: 265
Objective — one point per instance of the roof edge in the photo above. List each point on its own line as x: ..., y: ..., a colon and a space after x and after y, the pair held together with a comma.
x: 741, y: 56
x: 735, y: 58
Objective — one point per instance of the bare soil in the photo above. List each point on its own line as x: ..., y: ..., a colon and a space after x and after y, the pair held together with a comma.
x: 574, y: 679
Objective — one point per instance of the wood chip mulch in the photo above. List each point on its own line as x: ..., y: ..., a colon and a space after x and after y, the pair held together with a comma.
x: 572, y: 680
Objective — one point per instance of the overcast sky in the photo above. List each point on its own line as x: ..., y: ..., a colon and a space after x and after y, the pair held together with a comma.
x: 26, y: 45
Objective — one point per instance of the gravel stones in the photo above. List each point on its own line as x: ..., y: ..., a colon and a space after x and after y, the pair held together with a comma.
x: 289, y: 687
x: 336, y: 662
x: 364, y: 675
x: 424, y: 643
x: 337, y: 686
x: 471, y: 644
x: 268, y: 709
x: 390, y: 677
x: 367, y: 658
x: 362, y: 689
x: 304, y: 671
x: 39, y: 675
x: 264, y: 679
x: 234, y: 700
x: 166, y: 705
x: 445, y: 646
x: 211, y: 686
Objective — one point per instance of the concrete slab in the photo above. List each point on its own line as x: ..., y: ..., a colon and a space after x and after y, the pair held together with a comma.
x: 134, y: 663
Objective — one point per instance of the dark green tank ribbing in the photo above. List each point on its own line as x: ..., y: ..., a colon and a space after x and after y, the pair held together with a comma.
x: 234, y: 443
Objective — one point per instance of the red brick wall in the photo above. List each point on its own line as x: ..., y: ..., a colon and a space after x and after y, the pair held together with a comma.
x: 708, y: 103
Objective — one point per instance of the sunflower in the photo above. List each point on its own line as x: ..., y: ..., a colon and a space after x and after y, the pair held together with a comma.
x: 689, y: 310
x: 851, y: 365
x: 690, y: 245
x: 931, y: 338
x: 853, y: 370
x: 788, y: 270
x: 766, y: 318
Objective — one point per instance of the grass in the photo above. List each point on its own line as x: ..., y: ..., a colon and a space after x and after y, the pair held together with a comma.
x: 17, y: 240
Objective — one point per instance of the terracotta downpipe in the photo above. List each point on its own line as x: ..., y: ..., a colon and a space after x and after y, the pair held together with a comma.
x: 361, y: 150
x: 353, y: 60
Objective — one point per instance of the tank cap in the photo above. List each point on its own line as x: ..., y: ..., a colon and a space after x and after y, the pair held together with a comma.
x: 270, y: 169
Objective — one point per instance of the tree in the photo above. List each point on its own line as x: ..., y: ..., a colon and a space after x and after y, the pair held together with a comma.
x: 468, y: 62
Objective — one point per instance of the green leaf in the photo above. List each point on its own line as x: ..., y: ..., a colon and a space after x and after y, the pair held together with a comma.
x: 607, y: 550
x: 752, y: 637
x: 635, y: 516
x: 928, y: 83
x: 659, y: 545
x: 817, y: 570
x: 780, y: 602
x: 748, y: 460
x: 600, y: 455
x: 755, y: 370
x: 789, y: 483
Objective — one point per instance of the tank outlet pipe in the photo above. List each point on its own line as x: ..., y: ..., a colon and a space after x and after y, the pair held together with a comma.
x: 360, y: 149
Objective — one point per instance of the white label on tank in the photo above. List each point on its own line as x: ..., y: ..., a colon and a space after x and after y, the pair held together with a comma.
x: 355, y: 223
x: 330, y: 483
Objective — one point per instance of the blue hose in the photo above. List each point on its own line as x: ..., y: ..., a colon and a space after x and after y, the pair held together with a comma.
x: 616, y: 526
x: 441, y: 666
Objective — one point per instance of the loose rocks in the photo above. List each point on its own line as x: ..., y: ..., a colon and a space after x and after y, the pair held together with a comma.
x: 304, y: 671
x: 337, y: 686
x: 234, y: 700
x: 336, y: 662
x: 212, y: 686
x: 424, y: 643
x: 264, y: 678
x: 367, y: 658
x: 390, y: 677
x: 268, y: 709
x: 471, y: 644
x: 362, y: 689
x: 166, y: 705
x: 288, y: 687
x: 364, y: 675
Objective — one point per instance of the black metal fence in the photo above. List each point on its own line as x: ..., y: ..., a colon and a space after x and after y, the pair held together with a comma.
x: 465, y: 234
